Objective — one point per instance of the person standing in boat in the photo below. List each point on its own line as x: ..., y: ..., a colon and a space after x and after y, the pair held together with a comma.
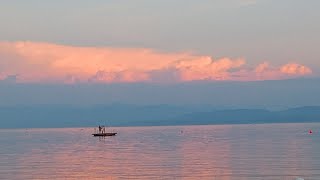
x: 100, y: 128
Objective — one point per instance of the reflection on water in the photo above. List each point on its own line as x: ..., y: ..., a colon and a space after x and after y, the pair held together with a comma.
x: 228, y: 152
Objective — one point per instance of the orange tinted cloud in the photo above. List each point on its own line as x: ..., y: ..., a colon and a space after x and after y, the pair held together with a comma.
x: 295, y: 69
x: 45, y: 62
x: 265, y: 71
x: 261, y: 68
x: 205, y: 68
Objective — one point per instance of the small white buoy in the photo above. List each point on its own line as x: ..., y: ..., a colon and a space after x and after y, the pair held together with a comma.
x: 299, y: 178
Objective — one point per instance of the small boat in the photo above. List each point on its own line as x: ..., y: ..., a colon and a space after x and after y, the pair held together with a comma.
x: 105, y: 134
x: 101, y: 131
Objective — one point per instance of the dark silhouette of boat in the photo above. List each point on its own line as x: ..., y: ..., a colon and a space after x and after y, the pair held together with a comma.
x: 101, y: 132
x: 105, y: 134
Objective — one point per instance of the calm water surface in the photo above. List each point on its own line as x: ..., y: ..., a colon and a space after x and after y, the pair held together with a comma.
x: 226, y: 152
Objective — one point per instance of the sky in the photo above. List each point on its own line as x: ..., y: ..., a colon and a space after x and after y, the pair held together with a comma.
x: 158, y: 42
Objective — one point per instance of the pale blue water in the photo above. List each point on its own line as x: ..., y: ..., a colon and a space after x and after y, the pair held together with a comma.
x: 226, y: 152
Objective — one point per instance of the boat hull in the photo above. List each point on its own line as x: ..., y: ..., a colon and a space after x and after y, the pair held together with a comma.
x: 104, y: 134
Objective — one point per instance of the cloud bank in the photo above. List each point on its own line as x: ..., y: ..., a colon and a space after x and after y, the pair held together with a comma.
x: 45, y: 63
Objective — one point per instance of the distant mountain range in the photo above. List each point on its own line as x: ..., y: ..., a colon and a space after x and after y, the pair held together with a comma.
x: 132, y: 115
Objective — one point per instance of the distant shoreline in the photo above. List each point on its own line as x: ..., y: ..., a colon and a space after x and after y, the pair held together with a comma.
x: 176, y: 125
x: 131, y: 116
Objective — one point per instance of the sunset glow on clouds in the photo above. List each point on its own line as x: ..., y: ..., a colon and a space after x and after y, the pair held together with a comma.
x: 295, y: 69
x: 44, y: 62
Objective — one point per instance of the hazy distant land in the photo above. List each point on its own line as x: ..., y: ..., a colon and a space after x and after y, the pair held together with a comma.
x: 143, y: 104
x: 132, y: 115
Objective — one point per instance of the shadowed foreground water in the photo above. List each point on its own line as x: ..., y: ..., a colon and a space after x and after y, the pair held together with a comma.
x: 225, y: 152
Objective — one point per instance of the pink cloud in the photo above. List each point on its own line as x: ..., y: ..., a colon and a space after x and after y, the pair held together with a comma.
x: 261, y: 68
x: 45, y: 62
x: 205, y: 68
x: 295, y: 69
x: 265, y: 71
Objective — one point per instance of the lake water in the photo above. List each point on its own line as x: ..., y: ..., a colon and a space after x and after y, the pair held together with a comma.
x: 224, y: 152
